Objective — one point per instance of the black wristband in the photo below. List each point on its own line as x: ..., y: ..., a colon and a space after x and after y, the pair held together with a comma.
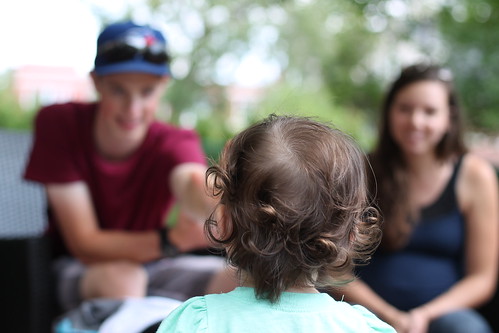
x: 167, y: 248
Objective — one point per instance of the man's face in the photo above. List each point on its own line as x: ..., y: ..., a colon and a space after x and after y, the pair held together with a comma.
x: 128, y: 104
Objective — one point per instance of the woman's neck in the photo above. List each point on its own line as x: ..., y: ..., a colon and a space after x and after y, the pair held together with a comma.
x: 422, y: 165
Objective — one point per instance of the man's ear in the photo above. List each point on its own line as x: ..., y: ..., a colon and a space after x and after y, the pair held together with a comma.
x: 95, y: 80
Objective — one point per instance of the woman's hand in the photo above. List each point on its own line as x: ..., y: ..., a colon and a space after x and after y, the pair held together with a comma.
x: 418, y: 321
x: 400, y: 321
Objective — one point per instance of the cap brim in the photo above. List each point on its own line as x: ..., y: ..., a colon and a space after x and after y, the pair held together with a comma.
x: 133, y: 67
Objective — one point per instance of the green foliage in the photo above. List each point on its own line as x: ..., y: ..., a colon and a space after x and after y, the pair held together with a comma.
x: 15, y: 118
x: 318, y: 104
x: 351, y: 48
x: 214, y: 134
x: 11, y: 114
x: 335, y: 57
x: 475, y: 58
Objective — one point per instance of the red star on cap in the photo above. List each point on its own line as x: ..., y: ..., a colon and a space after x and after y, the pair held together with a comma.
x: 149, y: 40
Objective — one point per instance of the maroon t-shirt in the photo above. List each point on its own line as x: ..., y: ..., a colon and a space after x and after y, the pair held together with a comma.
x: 133, y: 194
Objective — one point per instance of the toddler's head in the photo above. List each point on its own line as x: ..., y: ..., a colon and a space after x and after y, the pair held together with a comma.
x: 294, y: 205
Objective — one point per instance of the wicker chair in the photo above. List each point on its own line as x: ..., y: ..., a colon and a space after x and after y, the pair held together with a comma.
x: 26, y: 292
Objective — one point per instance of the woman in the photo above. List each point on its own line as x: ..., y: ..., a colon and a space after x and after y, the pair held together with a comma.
x: 439, y: 253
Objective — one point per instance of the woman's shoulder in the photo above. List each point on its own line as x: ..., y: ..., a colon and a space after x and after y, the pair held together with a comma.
x: 477, y: 178
x: 475, y: 169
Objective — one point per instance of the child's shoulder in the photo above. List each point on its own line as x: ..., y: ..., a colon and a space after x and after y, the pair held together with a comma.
x: 190, y: 316
x: 370, y: 319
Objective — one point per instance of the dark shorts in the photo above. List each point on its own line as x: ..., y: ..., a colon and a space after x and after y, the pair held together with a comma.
x: 179, y: 278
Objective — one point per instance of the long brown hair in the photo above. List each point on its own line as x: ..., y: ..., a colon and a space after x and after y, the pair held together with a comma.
x: 389, y: 184
x: 295, y: 198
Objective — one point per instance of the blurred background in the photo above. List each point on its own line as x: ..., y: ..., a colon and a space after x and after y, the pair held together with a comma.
x: 237, y: 61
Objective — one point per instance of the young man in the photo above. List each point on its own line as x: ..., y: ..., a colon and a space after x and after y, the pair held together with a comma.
x: 112, y: 173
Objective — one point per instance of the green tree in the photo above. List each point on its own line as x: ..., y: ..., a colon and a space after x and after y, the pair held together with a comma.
x: 12, y: 115
x: 470, y: 29
x: 349, y: 49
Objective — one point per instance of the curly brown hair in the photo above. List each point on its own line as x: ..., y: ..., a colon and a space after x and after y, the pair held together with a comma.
x: 296, y: 205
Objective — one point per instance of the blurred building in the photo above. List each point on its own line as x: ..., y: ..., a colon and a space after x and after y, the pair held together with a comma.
x: 42, y: 85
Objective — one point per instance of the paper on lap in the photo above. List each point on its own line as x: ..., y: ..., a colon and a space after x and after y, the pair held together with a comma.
x: 137, y: 314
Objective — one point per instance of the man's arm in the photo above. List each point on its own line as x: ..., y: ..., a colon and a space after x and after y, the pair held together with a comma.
x: 73, y: 207
x: 188, y: 185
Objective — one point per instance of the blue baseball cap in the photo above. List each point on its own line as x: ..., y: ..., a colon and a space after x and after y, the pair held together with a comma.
x: 126, y: 47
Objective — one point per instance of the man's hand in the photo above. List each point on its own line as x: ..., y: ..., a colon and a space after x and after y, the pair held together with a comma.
x: 188, y: 234
x: 188, y: 186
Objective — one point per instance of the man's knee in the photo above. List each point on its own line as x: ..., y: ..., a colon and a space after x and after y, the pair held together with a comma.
x: 114, y: 280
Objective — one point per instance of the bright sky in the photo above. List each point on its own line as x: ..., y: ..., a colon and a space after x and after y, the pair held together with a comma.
x: 64, y: 33
x: 52, y: 32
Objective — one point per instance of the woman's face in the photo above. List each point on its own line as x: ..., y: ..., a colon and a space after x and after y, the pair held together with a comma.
x: 419, y: 117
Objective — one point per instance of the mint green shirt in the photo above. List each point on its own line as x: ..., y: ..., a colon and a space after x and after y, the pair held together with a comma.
x: 239, y: 312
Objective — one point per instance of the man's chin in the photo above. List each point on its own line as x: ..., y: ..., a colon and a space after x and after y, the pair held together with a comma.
x: 130, y: 126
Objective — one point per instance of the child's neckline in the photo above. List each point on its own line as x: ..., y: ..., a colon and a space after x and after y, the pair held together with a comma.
x: 295, y: 290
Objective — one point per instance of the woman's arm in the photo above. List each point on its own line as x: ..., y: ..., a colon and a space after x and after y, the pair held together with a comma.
x: 477, y: 192
x: 358, y: 292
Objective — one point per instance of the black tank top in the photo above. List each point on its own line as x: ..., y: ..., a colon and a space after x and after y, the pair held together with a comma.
x: 431, y: 262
